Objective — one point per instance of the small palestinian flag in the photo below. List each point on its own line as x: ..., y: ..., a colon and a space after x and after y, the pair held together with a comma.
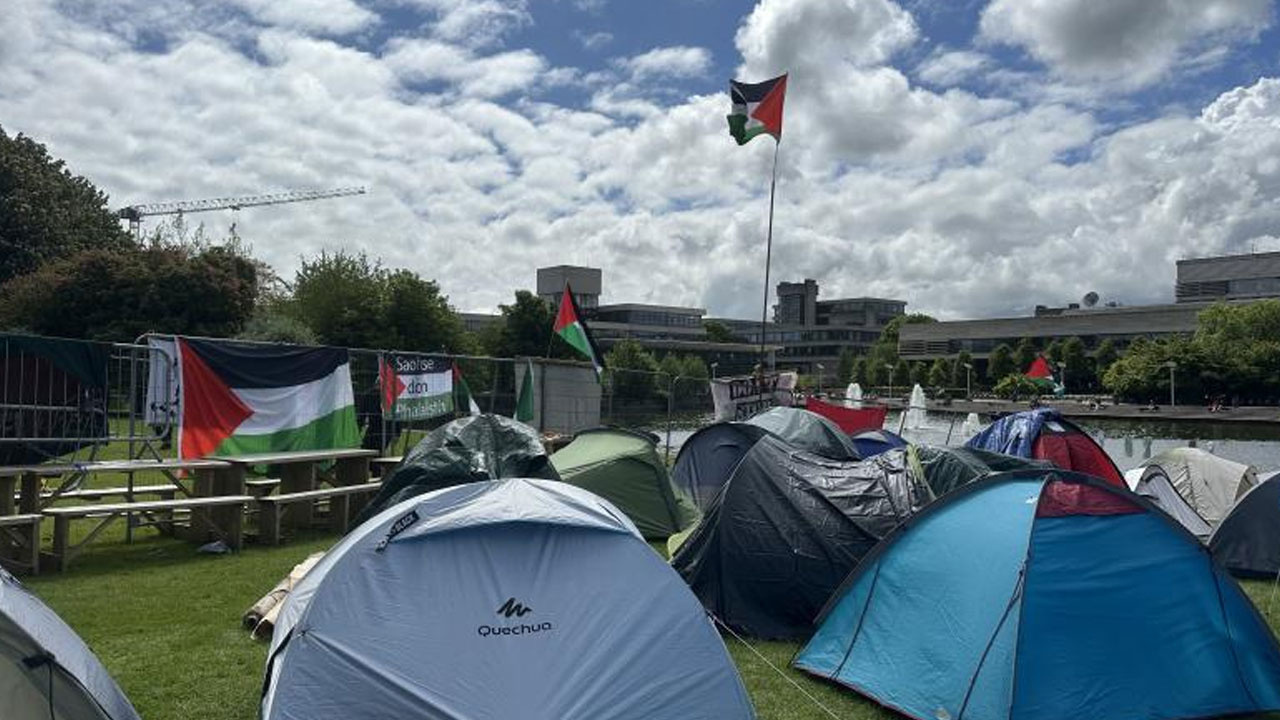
x: 757, y: 108
x: 242, y: 398
x: 571, y: 328
x: 1041, y: 374
x: 465, y: 398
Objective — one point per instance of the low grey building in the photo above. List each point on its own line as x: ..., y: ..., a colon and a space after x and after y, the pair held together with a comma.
x: 1228, y: 277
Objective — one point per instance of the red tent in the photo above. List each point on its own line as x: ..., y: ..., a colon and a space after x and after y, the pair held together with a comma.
x: 850, y: 420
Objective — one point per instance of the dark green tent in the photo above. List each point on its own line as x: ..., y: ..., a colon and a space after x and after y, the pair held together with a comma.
x: 624, y: 468
x: 475, y: 448
x: 948, y: 468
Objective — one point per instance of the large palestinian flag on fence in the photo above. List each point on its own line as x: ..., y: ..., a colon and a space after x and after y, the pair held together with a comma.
x: 756, y: 108
x: 240, y: 398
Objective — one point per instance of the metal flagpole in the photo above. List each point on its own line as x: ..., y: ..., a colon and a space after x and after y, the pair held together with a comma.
x: 768, y: 256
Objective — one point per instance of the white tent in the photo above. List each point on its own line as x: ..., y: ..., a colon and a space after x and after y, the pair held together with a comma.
x: 46, y: 670
x: 1152, y: 483
x: 527, y: 599
x: 1208, y: 483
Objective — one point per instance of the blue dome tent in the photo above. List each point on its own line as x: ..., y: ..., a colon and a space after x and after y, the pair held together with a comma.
x: 709, y: 457
x: 1046, y: 594
x: 869, y: 443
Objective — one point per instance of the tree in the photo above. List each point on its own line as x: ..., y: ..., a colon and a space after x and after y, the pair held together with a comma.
x: 1053, y: 353
x: 1000, y: 364
x: 1074, y: 363
x: 1103, y: 357
x: 271, y: 325
x: 631, y: 369
x: 902, y: 373
x: 340, y: 297
x: 46, y: 212
x: 117, y: 295
x: 858, y: 374
x: 919, y: 373
x: 939, y: 374
x: 844, y: 367
x: 889, y: 335
x: 526, y: 329
x: 1024, y: 354
x: 961, y: 375
x: 718, y: 332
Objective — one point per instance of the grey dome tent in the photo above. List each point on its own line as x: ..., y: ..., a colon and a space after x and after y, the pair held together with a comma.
x: 949, y: 468
x: 470, y: 449
x: 1247, y: 541
x: 708, y: 458
x: 1152, y: 483
x: 46, y: 670
x: 527, y: 599
x: 807, y: 431
x: 624, y: 468
x: 787, y: 528
x: 1209, y: 484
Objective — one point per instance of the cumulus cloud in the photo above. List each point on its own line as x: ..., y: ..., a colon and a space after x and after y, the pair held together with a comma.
x: 477, y: 23
x: 951, y: 67
x: 334, y: 17
x: 962, y: 204
x: 593, y: 41
x: 677, y: 61
x: 1128, y: 42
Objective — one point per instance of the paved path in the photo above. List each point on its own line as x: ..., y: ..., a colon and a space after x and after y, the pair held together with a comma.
x: 1071, y: 408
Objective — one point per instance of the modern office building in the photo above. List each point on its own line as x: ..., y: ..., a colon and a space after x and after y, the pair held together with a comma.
x: 1228, y: 277
x: 586, y: 283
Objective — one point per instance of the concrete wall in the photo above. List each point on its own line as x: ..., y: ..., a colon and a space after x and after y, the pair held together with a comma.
x: 566, y: 395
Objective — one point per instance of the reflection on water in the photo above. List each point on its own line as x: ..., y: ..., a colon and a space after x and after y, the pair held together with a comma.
x: 1129, y: 442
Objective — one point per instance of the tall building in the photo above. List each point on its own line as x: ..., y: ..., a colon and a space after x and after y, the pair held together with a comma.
x: 1228, y: 277
x: 797, y: 303
x: 586, y: 283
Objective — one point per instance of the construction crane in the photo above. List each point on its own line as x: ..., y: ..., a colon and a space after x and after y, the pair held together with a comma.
x: 135, y: 213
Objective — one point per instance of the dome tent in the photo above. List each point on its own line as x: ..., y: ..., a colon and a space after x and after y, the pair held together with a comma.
x: 509, y: 599
x: 624, y: 468
x: 1247, y: 541
x: 1152, y: 483
x: 470, y: 449
x: 46, y: 670
x: 1045, y: 435
x: 807, y: 431
x: 1046, y: 594
x: 947, y: 468
x: 1209, y: 484
x: 787, y: 528
x: 708, y: 458
x: 874, y: 442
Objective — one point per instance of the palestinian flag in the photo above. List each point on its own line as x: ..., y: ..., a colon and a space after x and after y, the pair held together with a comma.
x: 570, y: 327
x: 465, y: 398
x: 240, y: 398
x: 415, y: 387
x: 757, y: 108
x: 1041, y: 374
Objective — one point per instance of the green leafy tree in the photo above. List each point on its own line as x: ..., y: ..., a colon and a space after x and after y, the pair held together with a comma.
x: 1016, y: 386
x: 939, y: 373
x: 340, y: 297
x: 1103, y: 357
x: 1075, y: 364
x: 919, y: 373
x: 889, y: 335
x: 694, y: 367
x: 844, y: 367
x: 526, y: 328
x: 1053, y: 353
x: 272, y: 325
x: 117, y: 295
x: 1024, y: 354
x: 718, y: 332
x: 902, y: 374
x: 46, y: 212
x: 961, y: 375
x: 419, y: 316
x: 1000, y: 364
x: 858, y: 374
x: 631, y: 370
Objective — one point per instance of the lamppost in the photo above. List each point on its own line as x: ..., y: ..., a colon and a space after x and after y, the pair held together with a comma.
x: 1064, y: 377
x: 821, y: 369
x: 968, y: 381
x: 890, y: 368
x: 714, y: 365
x: 1172, y: 395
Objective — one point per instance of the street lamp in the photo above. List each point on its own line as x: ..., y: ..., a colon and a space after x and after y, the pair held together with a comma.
x: 890, y: 368
x: 1064, y: 377
x: 1172, y: 395
x: 968, y: 381
x: 821, y: 369
x: 714, y: 365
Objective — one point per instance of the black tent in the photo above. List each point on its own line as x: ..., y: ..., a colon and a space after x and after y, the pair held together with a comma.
x: 787, y: 528
x: 1247, y: 541
x: 807, y: 431
x: 475, y: 448
x: 948, y: 468
x: 708, y: 458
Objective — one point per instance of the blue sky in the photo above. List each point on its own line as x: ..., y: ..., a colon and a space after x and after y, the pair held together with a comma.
x: 972, y: 157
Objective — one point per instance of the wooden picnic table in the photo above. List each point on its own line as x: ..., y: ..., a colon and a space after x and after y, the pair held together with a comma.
x: 299, y: 472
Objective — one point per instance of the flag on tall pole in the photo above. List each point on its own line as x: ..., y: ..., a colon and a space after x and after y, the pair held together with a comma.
x: 757, y: 110
x: 573, y: 329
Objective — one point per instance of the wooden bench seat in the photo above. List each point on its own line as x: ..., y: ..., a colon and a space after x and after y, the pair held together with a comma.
x: 341, y: 510
x: 100, y: 493
x: 63, y: 550
x: 259, y: 488
x: 20, y: 541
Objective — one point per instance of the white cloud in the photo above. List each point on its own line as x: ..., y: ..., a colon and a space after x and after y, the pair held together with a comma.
x: 593, y: 41
x: 951, y: 67
x: 477, y: 23
x: 1128, y: 42
x: 330, y: 17
x: 487, y: 76
x: 675, y: 62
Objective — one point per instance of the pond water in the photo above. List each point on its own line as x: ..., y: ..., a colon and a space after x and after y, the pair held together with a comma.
x: 1129, y: 442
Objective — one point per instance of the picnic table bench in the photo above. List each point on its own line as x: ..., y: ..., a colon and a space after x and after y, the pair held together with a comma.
x: 299, y: 471
x: 341, y: 511
x: 22, y: 535
x: 63, y: 550
x: 23, y: 482
x: 386, y: 463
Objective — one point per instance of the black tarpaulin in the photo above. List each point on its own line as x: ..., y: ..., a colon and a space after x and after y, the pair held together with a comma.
x: 1247, y: 541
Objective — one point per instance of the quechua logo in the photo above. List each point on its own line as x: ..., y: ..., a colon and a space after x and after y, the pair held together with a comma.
x: 511, y: 608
